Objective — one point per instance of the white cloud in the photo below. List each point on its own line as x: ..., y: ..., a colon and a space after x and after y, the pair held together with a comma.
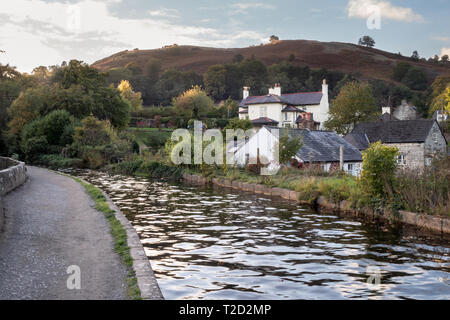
x: 164, y: 13
x: 244, y: 7
x: 362, y: 9
x: 36, y: 32
x: 445, y: 51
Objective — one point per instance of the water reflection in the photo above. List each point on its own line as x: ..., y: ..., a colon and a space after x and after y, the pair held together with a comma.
x: 206, y: 244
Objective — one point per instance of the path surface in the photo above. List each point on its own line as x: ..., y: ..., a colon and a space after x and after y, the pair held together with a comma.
x: 50, y: 225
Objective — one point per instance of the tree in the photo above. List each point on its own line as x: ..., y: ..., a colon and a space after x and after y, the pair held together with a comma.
x: 27, y: 107
x: 193, y: 103
x: 415, y: 55
x: 238, y: 58
x: 215, y: 81
x: 355, y: 103
x: 237, y: 123
x: 289, y: 147
x: 366, y: 41
x: 400, y: 70
x: 445, y: 58
x: 127, y: 93
x: 415, y: 79
x: 274, y: 38
x: 439, y: 96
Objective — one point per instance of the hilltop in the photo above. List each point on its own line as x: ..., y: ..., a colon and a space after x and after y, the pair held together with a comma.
x: 365, y: 63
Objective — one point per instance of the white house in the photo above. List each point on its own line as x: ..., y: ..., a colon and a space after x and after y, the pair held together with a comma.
x: 319, y: 148
x: 305, y: 109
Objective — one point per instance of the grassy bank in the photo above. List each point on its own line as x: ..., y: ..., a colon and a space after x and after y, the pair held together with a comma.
x: 119, y: 234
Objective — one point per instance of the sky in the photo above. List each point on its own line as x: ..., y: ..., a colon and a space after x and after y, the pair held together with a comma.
x: 46, y: 32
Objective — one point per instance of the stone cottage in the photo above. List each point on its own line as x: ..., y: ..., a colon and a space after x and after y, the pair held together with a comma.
x: 418, y: 141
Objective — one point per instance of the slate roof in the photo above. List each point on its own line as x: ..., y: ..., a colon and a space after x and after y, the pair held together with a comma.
x: 265, y: 120
x: 387, y: 117
x: 270, y: 98
x: 322, y: 146
x: 358, y: 140
x: 291, y: 109
x: 406, y: 131
x: 293, y: 99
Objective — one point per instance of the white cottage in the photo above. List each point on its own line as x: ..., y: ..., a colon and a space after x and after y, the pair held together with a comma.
x: 304, y: 109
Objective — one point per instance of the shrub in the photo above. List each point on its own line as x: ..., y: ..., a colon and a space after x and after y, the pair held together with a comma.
x: 56, y: 128
x: 34, y: 147
x: 379, y: 165
x: 58, y: 161
x: 427, y: 191
x: 308, y: 190
x: 129, y: 167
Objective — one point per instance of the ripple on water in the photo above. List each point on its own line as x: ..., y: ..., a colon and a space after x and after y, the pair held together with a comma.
x: 206, y: 244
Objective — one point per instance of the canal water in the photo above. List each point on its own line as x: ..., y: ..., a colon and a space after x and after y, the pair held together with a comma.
x: 224, y: 244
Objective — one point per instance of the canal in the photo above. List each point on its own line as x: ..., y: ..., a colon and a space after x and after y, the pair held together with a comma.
x: 206, y: 243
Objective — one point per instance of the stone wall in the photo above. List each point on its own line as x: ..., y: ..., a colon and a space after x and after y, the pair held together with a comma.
x: 435, y: 143
x: 414, y: 154
x: 421, y: 221
x: 12, y: 174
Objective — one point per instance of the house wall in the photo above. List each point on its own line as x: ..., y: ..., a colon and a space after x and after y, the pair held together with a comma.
x: 435, y: 144
x: 413, y: 152
x: 270, y: 110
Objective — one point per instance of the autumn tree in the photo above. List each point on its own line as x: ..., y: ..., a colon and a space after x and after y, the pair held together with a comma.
x: 355, y: 103
x: 134, y: 98
x: 440, y: 96
x: 193, y: 103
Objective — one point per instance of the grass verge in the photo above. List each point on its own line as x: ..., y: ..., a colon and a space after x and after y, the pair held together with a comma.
x: 119, y: 234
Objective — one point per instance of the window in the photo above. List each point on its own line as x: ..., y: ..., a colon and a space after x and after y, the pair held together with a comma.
x: 401, y: 160
x: 435, y: 136
x: 350, y: 167
x: 263, y: 111
x: 285, y: 116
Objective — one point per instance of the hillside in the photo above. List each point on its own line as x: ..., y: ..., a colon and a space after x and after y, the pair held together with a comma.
x: 366, y: 63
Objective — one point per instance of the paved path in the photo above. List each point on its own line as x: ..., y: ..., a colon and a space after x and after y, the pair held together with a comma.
x: 50, y: 225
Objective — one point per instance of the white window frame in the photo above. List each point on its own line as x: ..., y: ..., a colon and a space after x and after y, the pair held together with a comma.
x: 401, y: 160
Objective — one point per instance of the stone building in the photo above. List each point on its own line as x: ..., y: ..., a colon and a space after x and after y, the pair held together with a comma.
x: 406, y: 112
x: 418, y: 141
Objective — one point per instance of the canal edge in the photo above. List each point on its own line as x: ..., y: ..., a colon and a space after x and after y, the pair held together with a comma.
x: 433, y: 224
x: 145, y: 276
x: 146, y: 280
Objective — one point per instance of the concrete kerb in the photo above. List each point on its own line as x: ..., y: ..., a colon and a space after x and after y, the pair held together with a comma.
x: 145, y: 276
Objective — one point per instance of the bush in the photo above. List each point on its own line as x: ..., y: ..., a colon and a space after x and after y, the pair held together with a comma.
x: 379, y: 166
x: 427, y: 191
x: 58, y: 161
x: 34, y: 147
x: 57, y: 128
x: 129, y: 167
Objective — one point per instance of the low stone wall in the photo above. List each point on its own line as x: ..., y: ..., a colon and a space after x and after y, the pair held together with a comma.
x: 421, y: 221
x: 12, y: 174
